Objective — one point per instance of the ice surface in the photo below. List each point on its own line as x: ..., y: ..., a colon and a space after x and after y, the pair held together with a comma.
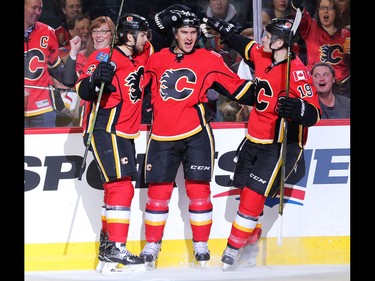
x: 259, y: 273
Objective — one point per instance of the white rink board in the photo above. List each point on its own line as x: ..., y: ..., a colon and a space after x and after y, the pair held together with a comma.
x: 69, y: 209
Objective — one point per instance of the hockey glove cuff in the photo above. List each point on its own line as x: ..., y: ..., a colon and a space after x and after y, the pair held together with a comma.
x: 224, y: 28
x: 291, y: 108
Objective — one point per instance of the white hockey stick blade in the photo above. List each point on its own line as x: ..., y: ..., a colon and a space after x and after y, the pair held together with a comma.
x: 112, y: 268
x: 297, y: 21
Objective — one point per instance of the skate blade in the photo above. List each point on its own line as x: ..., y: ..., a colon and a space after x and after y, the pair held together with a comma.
x: 248, y: 256
x: 150, y: 265
x: 247, y: 263
x: 113, y: 268
x: 201, y: 264
x: 228, y: 267
x: 100, y: 266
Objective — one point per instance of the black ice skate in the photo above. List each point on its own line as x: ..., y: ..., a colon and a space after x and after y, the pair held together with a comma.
x: 201, y: 253
x: 118, y: 259
x: 230, y: 258
x: 102, y: 243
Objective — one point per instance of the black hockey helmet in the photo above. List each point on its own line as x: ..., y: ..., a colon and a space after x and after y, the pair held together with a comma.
x: 187, y: 19
x: 131, y: 23
x: 281, y: 28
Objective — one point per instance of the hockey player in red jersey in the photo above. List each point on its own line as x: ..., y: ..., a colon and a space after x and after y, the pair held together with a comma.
x: 179, y: 77
x: 257, y: 170
x: 117, y: 125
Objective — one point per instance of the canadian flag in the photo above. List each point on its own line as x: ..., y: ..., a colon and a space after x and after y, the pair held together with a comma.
x: 299, y: 75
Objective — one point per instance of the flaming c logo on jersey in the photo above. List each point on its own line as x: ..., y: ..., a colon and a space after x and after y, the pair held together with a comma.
x: 332, y: 54
x: 133, y: 82
x: 177, y: 84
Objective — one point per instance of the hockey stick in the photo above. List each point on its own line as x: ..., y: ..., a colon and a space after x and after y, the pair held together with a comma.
x: 91, y: 129
x: 50, y: 87
x: 296, y: 22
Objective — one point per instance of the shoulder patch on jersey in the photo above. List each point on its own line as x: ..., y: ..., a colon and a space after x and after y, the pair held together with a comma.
x: 101, y: 56
x: 299, y: 75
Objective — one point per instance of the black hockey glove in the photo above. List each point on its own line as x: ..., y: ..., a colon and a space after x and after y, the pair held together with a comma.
x: 104, y: 72
x: 206, y: 30
x: 291, y: 108
x: 297, y: 4
x: 167, y: 18
x: 225, y: 29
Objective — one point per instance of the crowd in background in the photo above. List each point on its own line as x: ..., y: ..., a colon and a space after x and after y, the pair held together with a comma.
x: 93, y: 73
x: 72, y: 18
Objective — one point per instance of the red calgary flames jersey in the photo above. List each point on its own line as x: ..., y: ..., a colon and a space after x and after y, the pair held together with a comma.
x: 40, y: 53
x: 179, y: 83
x: 264, y: 122
x: 323, y: 47
x: 120, y: 111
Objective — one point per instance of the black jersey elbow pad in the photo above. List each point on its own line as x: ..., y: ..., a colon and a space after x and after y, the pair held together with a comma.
x: 311, y: 116
x: 238, y: 42
x: 86, y: 92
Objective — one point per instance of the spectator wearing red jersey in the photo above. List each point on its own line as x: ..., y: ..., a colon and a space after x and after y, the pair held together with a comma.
x: 327, y: 40
x: 66, y: 9
x: 78, y: 25
x: 42, y: 62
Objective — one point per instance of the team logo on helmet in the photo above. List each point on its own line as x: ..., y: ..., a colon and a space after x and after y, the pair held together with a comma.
x: 133, y: 81
x: 129, y: 18
x: 288, y: 25
x: 177, y: 84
